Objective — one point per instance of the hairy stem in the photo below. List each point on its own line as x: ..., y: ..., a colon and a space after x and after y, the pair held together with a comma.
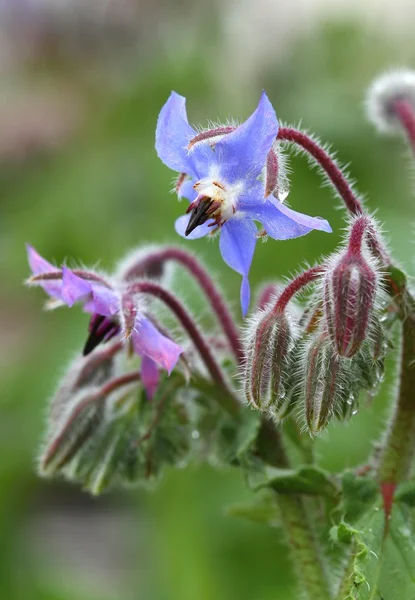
x: 399, y: 447
x: 304, y: 547
x: 323, y: 158
x: 296, y: 520
x: 295, y: 286
x: 405, y: 113
x: 189, y: 262
x: 229, y: 401
x: 339, y: 181
x: 267, y: 293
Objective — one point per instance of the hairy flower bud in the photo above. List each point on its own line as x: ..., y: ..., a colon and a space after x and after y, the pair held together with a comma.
x: 385, y: 91
x: 268, y: 344
x: 84, y: 415
x: 351, y: 284
x: 327, y: 382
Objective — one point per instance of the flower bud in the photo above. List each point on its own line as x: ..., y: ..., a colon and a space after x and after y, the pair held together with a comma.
x: 326, y: 382
x: 268, y: 344
x: 385, y: 91
x: 83, y: 415
x: 351, y: 284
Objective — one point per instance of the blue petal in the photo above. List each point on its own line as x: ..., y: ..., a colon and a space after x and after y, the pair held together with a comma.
x: 312, y: 222
x: 148, y: 341
x: 40, y: 265
x: 282, y: 223
x: 200, y: 231
x: 187, y: 190
x: 173, y: 134
x: 74, y: 288
x: 237, y: 246
x: 243, y: 153
x: 150, y: 376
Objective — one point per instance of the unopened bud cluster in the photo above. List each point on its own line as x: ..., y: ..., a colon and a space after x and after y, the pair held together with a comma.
x: 338, y: 345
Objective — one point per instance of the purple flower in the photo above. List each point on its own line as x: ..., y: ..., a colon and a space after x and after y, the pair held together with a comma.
x: 221, y: 174
x: 111, y: 314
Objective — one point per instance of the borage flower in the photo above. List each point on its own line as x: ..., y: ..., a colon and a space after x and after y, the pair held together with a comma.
x: 221, y: 173
x: 112, y: 313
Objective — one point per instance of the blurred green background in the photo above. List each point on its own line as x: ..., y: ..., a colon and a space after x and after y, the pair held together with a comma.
x: 81, y: 87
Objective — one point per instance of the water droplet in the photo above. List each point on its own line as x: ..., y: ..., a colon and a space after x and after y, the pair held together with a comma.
x: 355, y: 411
x: 405, y: 531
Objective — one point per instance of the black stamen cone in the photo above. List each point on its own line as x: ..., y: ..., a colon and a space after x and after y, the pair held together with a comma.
x: 199, y: 215
x: 98, y: 329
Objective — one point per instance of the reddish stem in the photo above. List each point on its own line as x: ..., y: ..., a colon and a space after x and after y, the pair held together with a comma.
x: 357, y: 232
x: 266, y: 295
x: 322, y: 157
x: 194, y: 267
x: 93, y: 360
x: 295, y: 286
x: 336, y: 176
x: 118, y: 382
x: 405, y: 113
x: 56, y: 275
x: 177, y: 308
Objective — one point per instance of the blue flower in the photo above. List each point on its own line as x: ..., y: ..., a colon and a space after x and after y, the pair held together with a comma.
x: 221, y: 174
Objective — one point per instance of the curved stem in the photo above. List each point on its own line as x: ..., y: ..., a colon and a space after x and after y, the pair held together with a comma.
x: 92, y: 361
x: 118, y: 382
x: 343, y: 187
x: 194, y: 267
x: 405, y: 113
x: 295, y: 286
x: 154, y: 289
x: 268, y: 292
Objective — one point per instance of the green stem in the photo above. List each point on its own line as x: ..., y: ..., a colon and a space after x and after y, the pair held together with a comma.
x: 346, y: 582
x: 399, y: 448
x: 304, y: 546
x: 296, y: 520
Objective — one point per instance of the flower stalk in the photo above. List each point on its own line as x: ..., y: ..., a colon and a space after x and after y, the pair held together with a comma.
x: 399, y: 447
x: 296, y: 520
x: 194, y: 267
x: 230, y: 402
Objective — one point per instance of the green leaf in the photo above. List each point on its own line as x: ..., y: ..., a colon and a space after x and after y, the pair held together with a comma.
x: 406, y: 493
x: 306, y: 479
x: 359, y: 495
x: 397, y: 276
x: 402, y: 535
x: 380, y: 568
x: 262, y: 509
x: 360, y: 580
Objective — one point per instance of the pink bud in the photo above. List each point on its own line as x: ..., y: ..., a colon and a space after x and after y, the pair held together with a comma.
x: 351, y: 285
x: 268, y: 345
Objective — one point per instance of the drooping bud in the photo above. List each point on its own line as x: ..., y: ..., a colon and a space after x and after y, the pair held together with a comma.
x: 82, y: 413
x: 269, y: 341
x: 326, y: 382
x: 391, y: 101
x: 351, y: 285
x: 83, y: 416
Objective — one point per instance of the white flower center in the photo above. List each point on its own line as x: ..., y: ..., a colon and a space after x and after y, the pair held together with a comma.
x: 224, y: 197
